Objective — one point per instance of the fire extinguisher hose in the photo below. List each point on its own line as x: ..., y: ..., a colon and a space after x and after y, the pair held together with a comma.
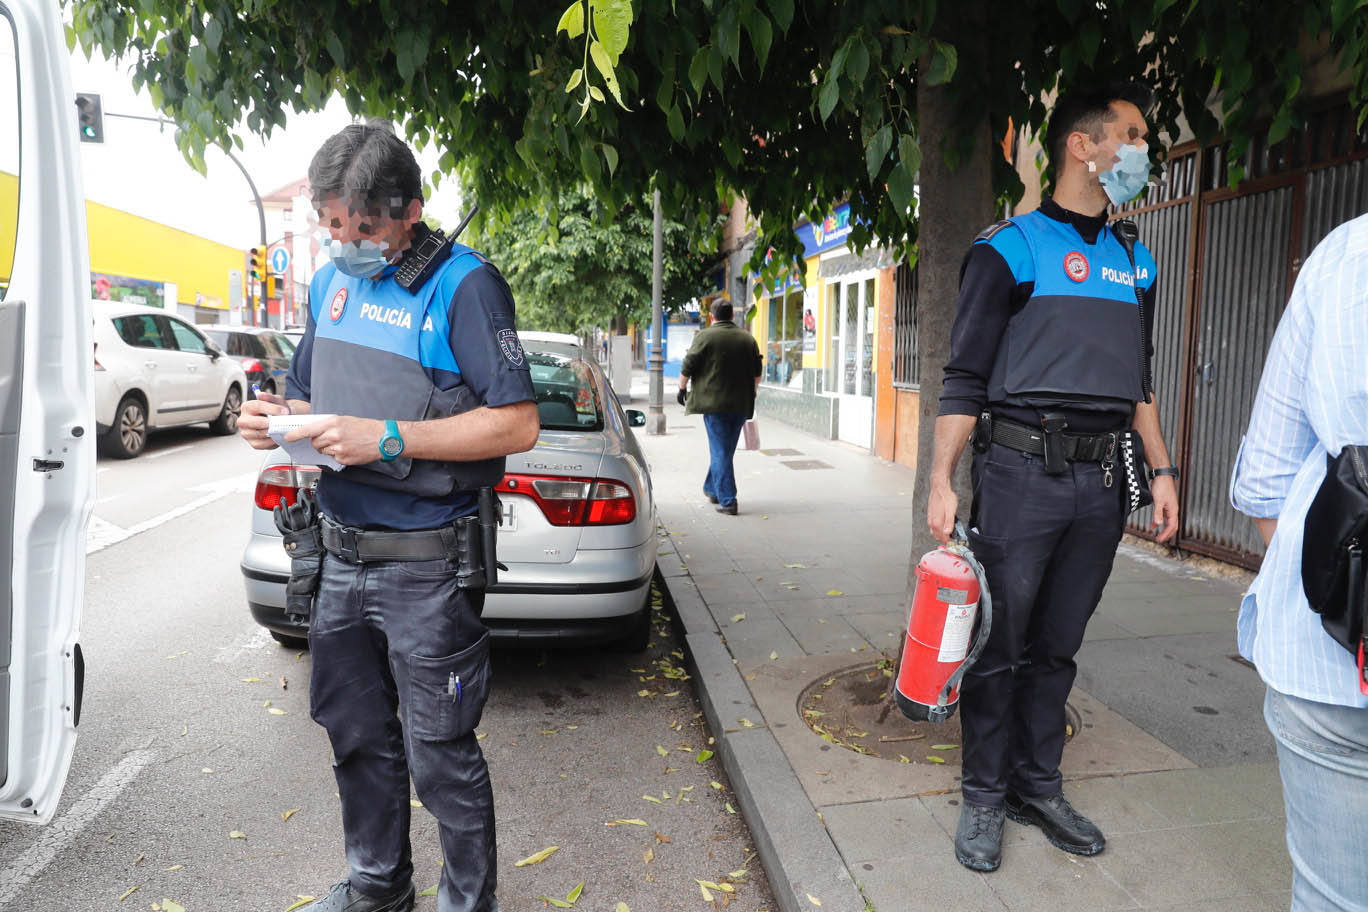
x: 960, y: 546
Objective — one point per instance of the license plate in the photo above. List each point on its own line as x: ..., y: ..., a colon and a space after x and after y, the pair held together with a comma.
x: 510, y: 522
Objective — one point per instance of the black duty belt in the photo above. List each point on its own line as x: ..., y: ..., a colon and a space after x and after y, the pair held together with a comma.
x: 1076, y: 447
x: 360, y: 546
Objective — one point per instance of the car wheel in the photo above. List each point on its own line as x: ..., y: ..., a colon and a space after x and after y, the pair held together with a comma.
x: 127, y: 436
x: 226, y: 422
x: 638, y: 632
x: 290, y: 642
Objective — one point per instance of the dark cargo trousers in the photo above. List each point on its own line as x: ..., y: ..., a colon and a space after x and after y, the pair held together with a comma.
x: 400, y: 676
x: 1047, y: 543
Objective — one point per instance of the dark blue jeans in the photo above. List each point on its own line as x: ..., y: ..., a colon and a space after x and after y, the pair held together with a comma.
x: 724, y: 430
x: 390, y: 640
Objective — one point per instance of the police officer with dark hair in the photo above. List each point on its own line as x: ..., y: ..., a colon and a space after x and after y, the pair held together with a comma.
x: 1049, y: 369
x: 412, y: 352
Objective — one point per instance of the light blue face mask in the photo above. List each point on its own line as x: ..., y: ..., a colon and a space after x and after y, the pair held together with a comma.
x: 358, y: 259
x: 1128, y: 175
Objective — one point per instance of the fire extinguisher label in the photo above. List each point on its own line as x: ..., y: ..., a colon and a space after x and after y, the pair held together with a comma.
x: 959, y: 626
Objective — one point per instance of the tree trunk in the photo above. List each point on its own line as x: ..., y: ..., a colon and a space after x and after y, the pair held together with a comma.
x: 956, y: 204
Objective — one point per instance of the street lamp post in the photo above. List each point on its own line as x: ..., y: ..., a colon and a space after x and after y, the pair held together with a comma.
x: 655, y: 423
x: 261, y: 210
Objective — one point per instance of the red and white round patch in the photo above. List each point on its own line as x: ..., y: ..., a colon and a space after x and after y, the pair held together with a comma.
x: 1076, y: 265
x: 339, y: 304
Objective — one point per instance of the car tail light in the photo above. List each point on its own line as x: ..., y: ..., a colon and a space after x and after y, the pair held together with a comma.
x: 251, y: 364
x: 281, y: 483
x: 96, y: 353
x: 575, y: 501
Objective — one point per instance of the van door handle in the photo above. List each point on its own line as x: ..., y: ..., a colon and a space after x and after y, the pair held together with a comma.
x: 150, y: 365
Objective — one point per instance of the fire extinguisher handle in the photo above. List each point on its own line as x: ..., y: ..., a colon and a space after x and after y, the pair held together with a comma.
x: 960, y: 534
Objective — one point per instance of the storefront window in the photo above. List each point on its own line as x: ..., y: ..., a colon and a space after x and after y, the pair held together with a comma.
x: 833, y: 332
x: 784, y: 346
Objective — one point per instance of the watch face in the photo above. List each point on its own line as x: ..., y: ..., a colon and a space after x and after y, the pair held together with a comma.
x: 392, y: 446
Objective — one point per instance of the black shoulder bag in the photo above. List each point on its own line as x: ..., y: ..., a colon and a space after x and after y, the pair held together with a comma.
x: 1130, y: 445
x: 1334, y: 567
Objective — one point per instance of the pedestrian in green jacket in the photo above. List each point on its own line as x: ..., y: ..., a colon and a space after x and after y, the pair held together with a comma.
x: 724, y: 364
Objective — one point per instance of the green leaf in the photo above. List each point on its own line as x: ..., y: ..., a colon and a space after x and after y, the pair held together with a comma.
x: 830, y: 94
x: 605, y: 67
x: 698, y: 70
x: 610, y: 155
x: 572, y: 20
x: 1090, y: 37
x: 783, y: 13
x: 703, y: 756
x: 612, y: 25
x: 213, y: 34
x: 877, y: 150
x: 943, y: 61
x: 574, y: 894
x: 901, y: 188
x: 575, y: 79
x: 410, y: 50
x: 335, y: 50
x: 838, y: 60
x: 596, y: 93
x: 558, y: 903
x: 728, y: 32
x: 733, y: 154
x: 430, y: 891
x: 761, y: 35
x: 716, y: 62
x: 857, y: 66
x: 675, y: 123
x: 909, y: 154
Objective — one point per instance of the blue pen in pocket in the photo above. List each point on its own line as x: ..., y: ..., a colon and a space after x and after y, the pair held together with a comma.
x: 454, y: 687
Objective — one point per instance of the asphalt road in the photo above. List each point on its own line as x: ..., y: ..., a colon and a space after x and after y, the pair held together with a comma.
x: 184, y: 776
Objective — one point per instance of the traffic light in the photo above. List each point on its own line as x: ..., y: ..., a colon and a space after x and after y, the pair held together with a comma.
x: 90, y: 117
x: 256, y: 264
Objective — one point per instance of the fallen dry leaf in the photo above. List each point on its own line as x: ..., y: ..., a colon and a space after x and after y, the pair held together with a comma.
x: 944, y: 747
x: 621, y: 907
x: 170, y: 905
x: 635, y: 821
x: 773, y: 656
x: 738, y: 618
x: 414, y: 802
x: 835, y: 592
x: 430, y: 891
x: 300, y: 901
x: 537, y: 857
x: 814, y: 900
x: 651, y: 798
x: 237, y: 834
x: 276, y: 711
x: 662, y: 751
x: 934, y: 759
x: 129, y: 892
x: 286, y: 815
x: 251, y: 680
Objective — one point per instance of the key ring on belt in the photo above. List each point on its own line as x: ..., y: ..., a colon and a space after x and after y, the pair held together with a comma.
x: 1109, y: 459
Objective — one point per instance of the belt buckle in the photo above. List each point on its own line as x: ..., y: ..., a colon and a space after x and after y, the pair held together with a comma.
x: 346, y: 545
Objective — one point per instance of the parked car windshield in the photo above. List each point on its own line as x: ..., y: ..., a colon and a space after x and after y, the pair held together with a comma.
x: 277, y: 345
x: 567, y: 397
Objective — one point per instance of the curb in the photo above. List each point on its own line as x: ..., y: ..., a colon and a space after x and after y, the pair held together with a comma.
x: 790, y: 839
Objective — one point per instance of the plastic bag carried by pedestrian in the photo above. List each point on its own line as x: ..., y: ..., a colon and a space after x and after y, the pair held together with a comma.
x: 750, y: 434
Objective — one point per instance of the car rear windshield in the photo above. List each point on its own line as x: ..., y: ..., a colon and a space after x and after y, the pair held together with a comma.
x: 567, y: 397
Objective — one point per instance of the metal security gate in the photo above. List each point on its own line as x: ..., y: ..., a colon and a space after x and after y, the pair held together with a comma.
x: 1227, y: 260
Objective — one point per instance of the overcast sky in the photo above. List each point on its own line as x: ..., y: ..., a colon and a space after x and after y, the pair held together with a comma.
x: 139, y: 169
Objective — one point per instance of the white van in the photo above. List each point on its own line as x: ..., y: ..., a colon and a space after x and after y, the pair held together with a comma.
x: 47, y: 425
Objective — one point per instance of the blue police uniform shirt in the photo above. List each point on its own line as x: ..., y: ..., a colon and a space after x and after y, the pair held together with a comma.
x: 480, y: 310
x: 1078, y: 277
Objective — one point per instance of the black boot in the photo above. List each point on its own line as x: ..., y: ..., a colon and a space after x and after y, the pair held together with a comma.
x: 342, y: 898
x: 978, y: 839
x: 1063, y: 826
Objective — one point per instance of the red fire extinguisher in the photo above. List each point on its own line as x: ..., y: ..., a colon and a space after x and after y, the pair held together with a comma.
x: 941, y: 645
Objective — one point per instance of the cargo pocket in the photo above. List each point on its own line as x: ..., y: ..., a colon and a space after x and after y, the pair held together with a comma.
x: 447, y: 695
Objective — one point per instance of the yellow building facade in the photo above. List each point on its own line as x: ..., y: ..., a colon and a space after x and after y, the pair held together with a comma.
x: 136, y: 259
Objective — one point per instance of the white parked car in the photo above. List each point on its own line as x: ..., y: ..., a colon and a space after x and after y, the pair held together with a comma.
x: 153, y: 371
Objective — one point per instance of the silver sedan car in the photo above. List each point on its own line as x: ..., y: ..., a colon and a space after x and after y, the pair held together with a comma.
x: 578, y: 532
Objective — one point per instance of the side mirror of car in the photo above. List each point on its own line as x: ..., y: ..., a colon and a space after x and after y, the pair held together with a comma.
x: 636, y: 418
x: 213, y: 351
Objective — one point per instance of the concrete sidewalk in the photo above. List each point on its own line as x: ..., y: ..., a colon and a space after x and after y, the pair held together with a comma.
x: 1170, y: 755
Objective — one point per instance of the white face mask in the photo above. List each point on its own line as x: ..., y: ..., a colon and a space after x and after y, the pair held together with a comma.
x: 1128, y: 174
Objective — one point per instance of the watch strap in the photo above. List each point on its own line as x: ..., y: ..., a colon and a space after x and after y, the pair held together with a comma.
x: 1171, y: 471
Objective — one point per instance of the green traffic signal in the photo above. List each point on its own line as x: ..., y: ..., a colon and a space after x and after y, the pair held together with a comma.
x: 90, y: 117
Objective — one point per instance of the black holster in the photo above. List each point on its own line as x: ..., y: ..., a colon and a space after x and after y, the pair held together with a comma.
x: 1056, y: 462
x: 983, y: 432
x: 299, y: 527
x: 475, y: 556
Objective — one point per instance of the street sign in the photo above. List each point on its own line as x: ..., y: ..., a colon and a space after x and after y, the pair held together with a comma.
x: 280, y: 260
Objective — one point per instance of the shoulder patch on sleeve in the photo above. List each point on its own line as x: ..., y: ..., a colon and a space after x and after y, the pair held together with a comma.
x: 987, y: 233
x: 512, y: 348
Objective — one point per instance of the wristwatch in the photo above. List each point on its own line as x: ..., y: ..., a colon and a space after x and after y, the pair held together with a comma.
x: 391, y: 444
x: 1171, y: 471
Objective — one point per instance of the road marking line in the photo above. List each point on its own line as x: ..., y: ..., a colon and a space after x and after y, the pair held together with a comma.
x: 102, y: 534
x: 258, y: 639
x: 1166, y: 564
x: 179, y: 449
x: 62, y: 831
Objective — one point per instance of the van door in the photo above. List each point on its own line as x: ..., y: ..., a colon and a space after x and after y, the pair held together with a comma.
x: 47, y: 423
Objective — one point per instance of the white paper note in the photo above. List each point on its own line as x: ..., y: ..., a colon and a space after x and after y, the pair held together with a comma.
x: 301, y: 451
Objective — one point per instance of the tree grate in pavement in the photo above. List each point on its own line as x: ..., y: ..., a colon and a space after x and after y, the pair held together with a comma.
x: 783, y: 451
x: 801, y: 464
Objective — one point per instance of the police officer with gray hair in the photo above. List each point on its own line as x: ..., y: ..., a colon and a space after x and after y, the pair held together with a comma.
x: 412, y: 354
